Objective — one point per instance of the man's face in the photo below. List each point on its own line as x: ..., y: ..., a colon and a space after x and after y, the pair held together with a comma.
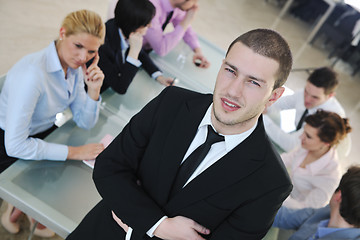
x: 184, y: 4
x: 244, y: 87
x: 314, y: 96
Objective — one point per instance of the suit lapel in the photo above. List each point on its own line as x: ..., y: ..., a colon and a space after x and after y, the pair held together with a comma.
x: 112, y: 33
x: 179, y: 139
x: 234, y: 166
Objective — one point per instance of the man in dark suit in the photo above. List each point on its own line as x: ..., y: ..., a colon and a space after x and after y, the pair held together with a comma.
x: 241, y: 182
x: 122, y: 55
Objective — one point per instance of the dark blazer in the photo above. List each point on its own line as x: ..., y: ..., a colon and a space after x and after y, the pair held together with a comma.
x: 119, y: 75
x: 236, y: 198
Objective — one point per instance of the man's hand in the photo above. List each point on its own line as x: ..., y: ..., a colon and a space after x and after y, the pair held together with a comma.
x: 167, y: 81
x: 119, y: 222
x: 199, y: 60
x: 93, y: 78
x: 85, y: 152
x: 189, y: 17
x: 180, y: 228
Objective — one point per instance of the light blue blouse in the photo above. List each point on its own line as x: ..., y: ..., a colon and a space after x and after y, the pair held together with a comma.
x: 36, y: 90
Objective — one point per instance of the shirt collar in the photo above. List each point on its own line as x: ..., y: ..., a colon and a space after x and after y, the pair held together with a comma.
x: 231, y: 141
x: 52, y: 59
x: 324, y: 230
x: 123, y: 43
x: 323, y: 161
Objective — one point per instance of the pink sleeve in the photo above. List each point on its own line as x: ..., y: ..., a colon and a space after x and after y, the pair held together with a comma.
x: 191, y: 39
x: 162, y: 43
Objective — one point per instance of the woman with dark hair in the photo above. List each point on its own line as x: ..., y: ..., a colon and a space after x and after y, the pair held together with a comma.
x: 314, y: 168
x: 122, y: 53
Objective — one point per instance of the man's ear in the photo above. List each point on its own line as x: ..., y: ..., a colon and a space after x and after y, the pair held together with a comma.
x: 275, y: 95
x: 337, y: 196
x: 332, y: 94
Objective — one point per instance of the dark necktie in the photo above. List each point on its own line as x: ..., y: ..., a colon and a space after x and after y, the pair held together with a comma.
x: 167, y: 20
x: 190, y: 164
x: 302, y: 120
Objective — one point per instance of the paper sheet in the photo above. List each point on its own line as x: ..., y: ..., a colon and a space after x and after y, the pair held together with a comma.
x: 105, y: 141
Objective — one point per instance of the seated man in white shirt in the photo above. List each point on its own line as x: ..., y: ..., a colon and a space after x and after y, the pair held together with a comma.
x: 319, y: 93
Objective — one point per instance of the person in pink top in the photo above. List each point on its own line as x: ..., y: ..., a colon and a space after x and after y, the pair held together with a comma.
x: 180, y: 13
x: 314, y: 167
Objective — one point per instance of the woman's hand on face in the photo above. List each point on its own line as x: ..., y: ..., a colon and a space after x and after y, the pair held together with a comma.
x: 93, y: 78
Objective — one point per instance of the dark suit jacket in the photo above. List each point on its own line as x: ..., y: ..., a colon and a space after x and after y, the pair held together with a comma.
x: 119, y: 75
x: 236, y: 198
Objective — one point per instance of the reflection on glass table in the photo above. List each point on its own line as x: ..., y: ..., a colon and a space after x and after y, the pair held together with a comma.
x: 179, y: 62
x: 141, y: 91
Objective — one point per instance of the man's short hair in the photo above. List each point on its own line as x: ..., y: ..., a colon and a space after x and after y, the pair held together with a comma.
x: 325, y: 78
x: 133, y: 14
x: 350, y: 196
x: 271, y: 44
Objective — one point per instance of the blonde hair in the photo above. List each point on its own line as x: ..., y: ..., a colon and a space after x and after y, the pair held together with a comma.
x: 84, y: 21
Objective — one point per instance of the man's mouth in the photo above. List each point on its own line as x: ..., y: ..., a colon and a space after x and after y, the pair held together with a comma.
x: 228, y: 105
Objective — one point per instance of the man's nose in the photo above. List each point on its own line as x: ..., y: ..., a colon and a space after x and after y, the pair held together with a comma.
x: 235, y: 88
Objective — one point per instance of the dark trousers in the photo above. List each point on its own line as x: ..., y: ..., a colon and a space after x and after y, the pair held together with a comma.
x: 6, y: 160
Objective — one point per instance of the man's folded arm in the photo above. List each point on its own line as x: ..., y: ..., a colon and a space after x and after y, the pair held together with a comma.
x: 253, y: 220
x: 115, y: 172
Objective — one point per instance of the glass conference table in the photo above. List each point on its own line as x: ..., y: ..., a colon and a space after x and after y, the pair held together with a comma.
x: 179, y: 62
x: 60, y: 194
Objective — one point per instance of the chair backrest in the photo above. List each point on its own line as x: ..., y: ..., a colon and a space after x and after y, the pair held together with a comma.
x: 336, y: 13
x: 346, y: 22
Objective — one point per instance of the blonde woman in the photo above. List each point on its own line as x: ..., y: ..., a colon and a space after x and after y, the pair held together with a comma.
x: 43, y: 84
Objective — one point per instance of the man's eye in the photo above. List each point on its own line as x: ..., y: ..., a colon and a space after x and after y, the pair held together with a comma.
x: 230, y: 70
x: 78, y: 45
x: 255, y: 83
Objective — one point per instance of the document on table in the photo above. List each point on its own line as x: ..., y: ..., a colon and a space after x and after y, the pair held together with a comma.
x: 105, y: 141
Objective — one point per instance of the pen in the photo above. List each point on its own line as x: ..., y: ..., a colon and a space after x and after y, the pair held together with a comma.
x: 173, y: 82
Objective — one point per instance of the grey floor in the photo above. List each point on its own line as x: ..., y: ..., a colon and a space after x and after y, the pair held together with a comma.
x: 27, y: 26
